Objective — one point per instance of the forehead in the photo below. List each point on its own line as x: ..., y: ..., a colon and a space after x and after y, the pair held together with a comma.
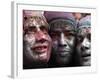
x: 34, y: 21
x: 61, y: 25
x: 84, y: 30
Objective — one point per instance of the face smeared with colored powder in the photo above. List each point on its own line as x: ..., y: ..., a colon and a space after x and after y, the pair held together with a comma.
x: 84, y: 40
x: 37, y: 42
x: 63, y: 38
x: 84, y: 45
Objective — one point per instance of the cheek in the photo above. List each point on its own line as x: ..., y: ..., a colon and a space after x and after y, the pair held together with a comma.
x: 30, y: 39
x: 71, y: 41
x: 49, y: 38
x: 55, y: 44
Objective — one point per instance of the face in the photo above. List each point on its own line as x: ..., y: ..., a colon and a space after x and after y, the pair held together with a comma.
x: 77, y: 16
x: 37, y: 42
x: 84, y: 45
x: 63, y: 38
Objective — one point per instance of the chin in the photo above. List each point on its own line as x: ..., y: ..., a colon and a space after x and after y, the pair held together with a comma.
x: 63, y: 61
x: 86, y: 64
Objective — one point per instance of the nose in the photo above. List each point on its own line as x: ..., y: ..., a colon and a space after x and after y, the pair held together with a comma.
x: 62, y: 41
x: 40, y: 35
x: 85, y: 44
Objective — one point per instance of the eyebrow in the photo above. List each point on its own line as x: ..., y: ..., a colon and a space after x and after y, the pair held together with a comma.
x: 41, y: 27
x: 31, y: 27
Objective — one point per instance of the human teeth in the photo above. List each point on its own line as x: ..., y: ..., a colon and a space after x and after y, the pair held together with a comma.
x: 43, y: 55
x: 39, y: 48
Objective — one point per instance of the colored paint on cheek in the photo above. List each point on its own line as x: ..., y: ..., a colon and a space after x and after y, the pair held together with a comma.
x: 30, y: 39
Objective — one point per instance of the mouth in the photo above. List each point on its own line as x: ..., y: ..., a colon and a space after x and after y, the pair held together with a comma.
x: 86, y: 57
x: 40, y: 49
x: 63, y: 49
x: 63, y: 53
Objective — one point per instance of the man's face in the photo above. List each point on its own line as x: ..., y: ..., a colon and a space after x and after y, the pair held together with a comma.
x: 37, y: 42
x: 77, y: 16
x: 63, y: 38
x: 84, y: 45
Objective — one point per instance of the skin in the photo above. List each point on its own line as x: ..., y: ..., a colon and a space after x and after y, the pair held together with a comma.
x: 63, y: 41
x: 77, y: 16
x: 37, y: 42
x: 84, y: 45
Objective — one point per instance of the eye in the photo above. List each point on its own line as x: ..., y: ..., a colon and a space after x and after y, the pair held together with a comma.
x: 25, y: 18
x: 53, y: 34
x: 44, y: 29
x: 32, y: 29
x: 80, y: 38
x: 69, y: 35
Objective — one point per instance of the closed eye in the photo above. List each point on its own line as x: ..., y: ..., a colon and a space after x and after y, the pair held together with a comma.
x: 31, y: 29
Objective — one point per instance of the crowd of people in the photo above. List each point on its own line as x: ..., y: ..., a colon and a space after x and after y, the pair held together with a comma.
x: 56, y: 39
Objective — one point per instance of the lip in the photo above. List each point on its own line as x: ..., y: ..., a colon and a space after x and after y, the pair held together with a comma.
x: 64, y: 53
x: 86, y: 57
x: 63, y: 50
x: 40, y: 48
